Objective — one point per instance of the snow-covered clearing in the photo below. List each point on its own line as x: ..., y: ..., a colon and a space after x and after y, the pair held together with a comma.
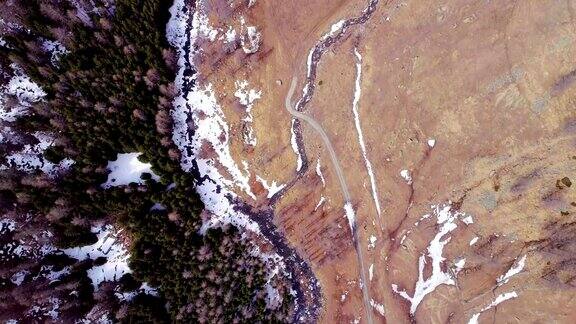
x: 109, y: 246
x: 446, y: 219
x: 357, y: 94
x: 25, y: 91
x: 474, y: 240
x: 30, y: 158
x: 501, y: 298
x: 127, y: 169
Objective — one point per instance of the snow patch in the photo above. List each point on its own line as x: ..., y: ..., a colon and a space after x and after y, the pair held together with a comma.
x: 406, y: 175
x: 25, y: 91
x: 127, y: 169
x: 371, y: 271
x: 294, y: 143
x: 446, y: 218
x: 322, y: 200
x: 515, y: 269
x: 378, y: 307
x: 431, y: 142
x: 230, y: 35
x: 251, y: 39
x: 372, y: 242
x: 19, y: 277
x: 272, y: 188
x: 247, y: 98
x: 474, y: 240
x: 357, y: 94
x: 468, y: 220
x: 500, y: 299
x: 30, y: 158
x: 350, y: 215
x: 319, y: 173
x: 56, y: 50
x: 108, y: 246
x: 334, y: 29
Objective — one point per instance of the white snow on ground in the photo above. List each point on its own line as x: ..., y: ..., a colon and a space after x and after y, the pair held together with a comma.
x: 247, y: 97
x: 230, y: 35
x: 319, y: 173
x: 51, y: 309
x: 357, y: 94
x: 109, y: 246
x: 144, y: 288
x: 468, y: 220
x: 294, y: 144
x: 55, y: 49
x: 372, y: 242
x: 275, y: 264
x: 272, y: 188
x: 126, y: 169
x: 250, y: 38
x: 350, y: 214
x: 2, y: 42
x: 371, y: 272
x: 320, y: 202
x: 19, y: 276
x: 431, y: 142
x: 49, y: 273
x: 501, y: 298
x: 515, y: 269
x: 474, y: 240
x: 446, y: 219
x: 334, y: 29
x: 251, y: 3
x: 26, y: 91
x: 30, y: 157
x: 406, y: 175
x: 378, y: 307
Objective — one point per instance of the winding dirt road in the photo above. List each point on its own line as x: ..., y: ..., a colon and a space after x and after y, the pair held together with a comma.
x: 344, y: 187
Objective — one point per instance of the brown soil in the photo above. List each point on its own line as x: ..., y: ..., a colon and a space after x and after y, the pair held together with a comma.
x: 491, y: 81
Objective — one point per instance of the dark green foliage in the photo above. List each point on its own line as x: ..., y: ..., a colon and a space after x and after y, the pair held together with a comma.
x: 146, y: 309
x: 54, y: 154
x: 103, y: 98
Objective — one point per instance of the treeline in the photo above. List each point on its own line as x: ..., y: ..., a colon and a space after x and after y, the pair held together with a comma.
x: 112, y: 93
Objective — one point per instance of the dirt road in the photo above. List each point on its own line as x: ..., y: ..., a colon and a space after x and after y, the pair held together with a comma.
x: 344, y: 187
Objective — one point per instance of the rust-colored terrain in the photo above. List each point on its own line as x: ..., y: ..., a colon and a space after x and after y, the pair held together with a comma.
x: 474, y: 100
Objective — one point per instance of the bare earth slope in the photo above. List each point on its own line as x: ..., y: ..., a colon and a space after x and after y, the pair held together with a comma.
x: 454, y: 124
